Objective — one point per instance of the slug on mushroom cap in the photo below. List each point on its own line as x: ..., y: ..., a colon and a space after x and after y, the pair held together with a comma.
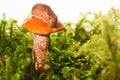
x: 43, y: 21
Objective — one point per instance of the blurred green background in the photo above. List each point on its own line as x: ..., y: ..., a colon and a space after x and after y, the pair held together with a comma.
x: 86, y: 50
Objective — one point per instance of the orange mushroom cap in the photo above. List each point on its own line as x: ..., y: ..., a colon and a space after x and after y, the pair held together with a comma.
x: 40, y: 26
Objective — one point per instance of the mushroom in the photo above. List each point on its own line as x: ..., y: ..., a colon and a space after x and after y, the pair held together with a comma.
x: 42, y: 23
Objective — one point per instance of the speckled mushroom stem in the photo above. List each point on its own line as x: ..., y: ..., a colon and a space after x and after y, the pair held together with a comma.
x: 40, y: 47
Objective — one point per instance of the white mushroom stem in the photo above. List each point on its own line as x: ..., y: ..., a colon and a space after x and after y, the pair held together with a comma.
x: 40, y: 47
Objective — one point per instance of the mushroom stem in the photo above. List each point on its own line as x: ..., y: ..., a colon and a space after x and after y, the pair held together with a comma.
x: 40, y: 47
